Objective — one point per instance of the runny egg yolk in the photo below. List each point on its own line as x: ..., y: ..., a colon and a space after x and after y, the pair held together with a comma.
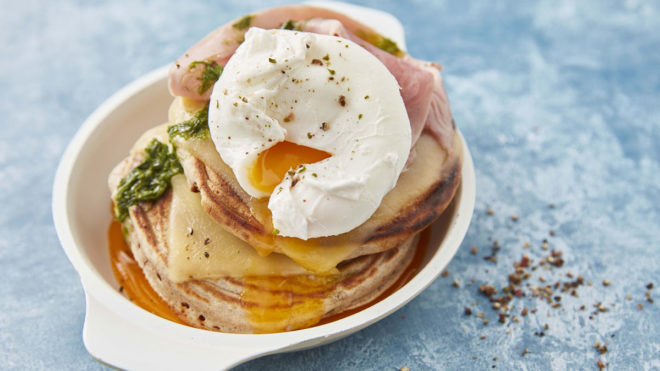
x: 272, y: 164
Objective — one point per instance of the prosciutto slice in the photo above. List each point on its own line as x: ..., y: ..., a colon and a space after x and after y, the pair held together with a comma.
x: 220, y: 44
x: 420, y: 82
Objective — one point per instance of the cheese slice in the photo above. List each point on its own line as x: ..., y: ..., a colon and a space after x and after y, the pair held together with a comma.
x: 199, y: 248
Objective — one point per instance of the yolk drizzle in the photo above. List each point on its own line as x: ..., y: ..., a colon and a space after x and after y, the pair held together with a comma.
x: 131, y: 277
x: 272, y: 164
x: 276, y: 304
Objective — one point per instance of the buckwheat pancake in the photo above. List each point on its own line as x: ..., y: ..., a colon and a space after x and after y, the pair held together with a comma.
x: 423, y: 191
x: 269, y: 295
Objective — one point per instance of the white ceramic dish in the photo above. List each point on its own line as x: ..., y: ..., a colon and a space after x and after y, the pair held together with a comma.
x: 119, y: 333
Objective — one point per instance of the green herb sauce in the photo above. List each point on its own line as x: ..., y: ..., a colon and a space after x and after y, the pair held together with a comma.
x: 197, y: 126
x: 291, y: 25
x: 149, y: 180
x: 211, y: 74
x: 389, y: 46
x: 381, y: 42
x: 243, y: 23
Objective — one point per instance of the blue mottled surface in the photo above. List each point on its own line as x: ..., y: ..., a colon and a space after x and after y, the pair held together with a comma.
x: 558, y: 100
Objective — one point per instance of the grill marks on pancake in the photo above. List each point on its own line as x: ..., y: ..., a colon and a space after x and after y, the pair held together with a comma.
x: 222, y: 202
x: 295, y: 298
x: 143, y: 214
x: 244, y: 285
x: 426, y: 209
x: 397, y: 259
x: 193, y: 290
x: 212, y: 291
x: 229, y: 292
x: 357, y: 279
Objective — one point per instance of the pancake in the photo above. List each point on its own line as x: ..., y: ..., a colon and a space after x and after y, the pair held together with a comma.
x: 251, y: 304
x: 422, y: 193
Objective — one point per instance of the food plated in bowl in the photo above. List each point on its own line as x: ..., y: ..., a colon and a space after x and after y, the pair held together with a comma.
x: 205, y: 171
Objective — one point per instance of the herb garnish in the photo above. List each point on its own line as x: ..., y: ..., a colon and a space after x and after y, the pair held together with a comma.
x: 149, y: 180
x: 381, y: 42
x: 211, y: 74
x: 243, y: 23
x: 389, y: 46
x: 291, y: 25
x: 197, y: 126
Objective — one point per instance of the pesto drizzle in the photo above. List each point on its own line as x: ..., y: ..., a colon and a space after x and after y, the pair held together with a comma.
x: 388, y: 46
x: 211, y: 74
x: 291, y: 25
x: 149, y: 180
x: 243, y: 23
x: 381, y: 42
x: 197, y: 126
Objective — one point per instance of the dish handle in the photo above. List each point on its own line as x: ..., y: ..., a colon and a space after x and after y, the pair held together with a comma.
x: 117, y: 343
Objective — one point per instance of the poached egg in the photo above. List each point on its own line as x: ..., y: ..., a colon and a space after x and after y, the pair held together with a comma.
x: 314, y: 122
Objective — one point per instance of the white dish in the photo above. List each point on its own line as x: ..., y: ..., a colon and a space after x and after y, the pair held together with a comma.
x: 119, y: 333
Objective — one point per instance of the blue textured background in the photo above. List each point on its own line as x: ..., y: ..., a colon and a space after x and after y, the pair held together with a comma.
x: 558, y: 100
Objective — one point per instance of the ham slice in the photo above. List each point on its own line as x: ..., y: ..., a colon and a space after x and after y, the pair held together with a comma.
x: 421, y: 84
x: 220, y: 44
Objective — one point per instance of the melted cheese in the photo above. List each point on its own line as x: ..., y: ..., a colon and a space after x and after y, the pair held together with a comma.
x: 200, y: 248
x: 286, y: 303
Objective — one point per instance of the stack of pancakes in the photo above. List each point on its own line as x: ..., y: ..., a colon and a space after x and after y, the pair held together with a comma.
x: 362, y: 263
